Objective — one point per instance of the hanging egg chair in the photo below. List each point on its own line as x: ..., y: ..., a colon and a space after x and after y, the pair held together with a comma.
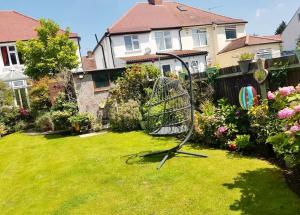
x: 170, y: 112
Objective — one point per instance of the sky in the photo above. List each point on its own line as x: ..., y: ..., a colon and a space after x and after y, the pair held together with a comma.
x: 90, y: 17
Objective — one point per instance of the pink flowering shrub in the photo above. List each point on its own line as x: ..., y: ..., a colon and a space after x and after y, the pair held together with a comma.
x: 287, y: 143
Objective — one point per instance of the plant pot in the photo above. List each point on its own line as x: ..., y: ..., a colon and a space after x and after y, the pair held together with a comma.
x: 297, y: 52
x: 244, y: 65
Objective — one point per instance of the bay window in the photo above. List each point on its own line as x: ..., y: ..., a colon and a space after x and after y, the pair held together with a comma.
x: 163, y: 40
x: 132, y: 43
x: 199, y: 37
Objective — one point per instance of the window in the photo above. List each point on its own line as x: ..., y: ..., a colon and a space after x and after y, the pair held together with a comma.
x: 230, y: 32
x: 199, y: 37
x: 4, y: 54
x: 166, y: 69
x: 195, y: 66
x: 132, y: 43
x: 101, y: 79
x: 299, y: 17
x: 9, y: 55
x: 264, y: 54
x: 163, y: 40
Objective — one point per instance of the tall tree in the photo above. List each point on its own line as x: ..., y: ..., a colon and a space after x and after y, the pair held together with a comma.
x: 51, y: 53
x: 280, y: 28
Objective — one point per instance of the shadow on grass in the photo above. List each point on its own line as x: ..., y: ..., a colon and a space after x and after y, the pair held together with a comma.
x: 139, y: 158
x: 263, y: 191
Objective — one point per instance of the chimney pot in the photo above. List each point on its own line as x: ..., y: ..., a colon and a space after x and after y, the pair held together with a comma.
x: 90, y: 54
x: 155, y: 2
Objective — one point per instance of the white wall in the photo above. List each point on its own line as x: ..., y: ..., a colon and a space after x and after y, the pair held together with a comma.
x: 221, y: 41
x: 146, y: 40
x: 176, y: 65
x: 216, y: 39
x: 291, y: 33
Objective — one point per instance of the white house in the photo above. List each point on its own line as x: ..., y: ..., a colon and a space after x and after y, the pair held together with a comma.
x: 14, y: 27
x: 292, y: 33
x: 160, y: 26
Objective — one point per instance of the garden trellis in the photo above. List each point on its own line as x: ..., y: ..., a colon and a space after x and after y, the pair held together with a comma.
x: 170, y: 112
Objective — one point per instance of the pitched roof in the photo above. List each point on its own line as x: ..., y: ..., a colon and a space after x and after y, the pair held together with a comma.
x: 154, y: 57
x: 146, y: 17
x: 250, y: 41
x: 16, y: 26
x: 88, y: 63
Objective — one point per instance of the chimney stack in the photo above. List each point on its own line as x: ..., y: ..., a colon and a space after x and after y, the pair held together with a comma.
x: 155, y: 2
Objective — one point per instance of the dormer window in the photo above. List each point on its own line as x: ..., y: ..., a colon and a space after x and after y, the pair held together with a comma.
x: 230, y: 32
x: 199, y: 37
x: 132, y: 43
x: 163, y: 40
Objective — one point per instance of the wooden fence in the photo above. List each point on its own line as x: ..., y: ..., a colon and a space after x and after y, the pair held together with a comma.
x: 231, y: 80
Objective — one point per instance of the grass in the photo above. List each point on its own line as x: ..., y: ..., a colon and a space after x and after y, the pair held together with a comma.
x: 95, y: 175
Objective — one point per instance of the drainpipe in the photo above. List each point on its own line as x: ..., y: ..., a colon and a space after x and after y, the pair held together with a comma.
x: 111, y: 49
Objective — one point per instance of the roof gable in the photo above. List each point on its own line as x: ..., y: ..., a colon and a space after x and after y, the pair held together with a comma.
x: 16, y: 26
x: 146, y: 17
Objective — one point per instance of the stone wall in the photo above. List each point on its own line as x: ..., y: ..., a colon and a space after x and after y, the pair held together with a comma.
x: 89, y: 99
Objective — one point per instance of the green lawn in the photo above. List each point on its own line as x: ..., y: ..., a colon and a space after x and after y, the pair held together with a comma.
x: 72, y: 175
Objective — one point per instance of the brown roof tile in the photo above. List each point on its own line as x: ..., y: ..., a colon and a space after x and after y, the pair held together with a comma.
x: 154, y: 57
x: 250, y: 41
x: 16, y: 26
x: 146, y: 17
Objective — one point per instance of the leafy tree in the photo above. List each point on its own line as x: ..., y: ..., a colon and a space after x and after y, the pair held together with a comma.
x: 280, y: 28
x: 6, y: 94
x: 51, y: 53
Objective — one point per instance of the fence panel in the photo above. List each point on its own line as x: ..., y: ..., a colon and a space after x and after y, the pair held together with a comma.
x: 231, y: 80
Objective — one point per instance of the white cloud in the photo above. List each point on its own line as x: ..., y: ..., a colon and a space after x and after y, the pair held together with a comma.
x: 260, y: 12
x: 280, y: 4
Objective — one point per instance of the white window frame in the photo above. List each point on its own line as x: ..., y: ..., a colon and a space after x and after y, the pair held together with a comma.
x: 197, y: 34
x: 231, y: 27
x: 163, y: 38
x: 10, y: 52
x: 132, y: 43
x: 260, y: 54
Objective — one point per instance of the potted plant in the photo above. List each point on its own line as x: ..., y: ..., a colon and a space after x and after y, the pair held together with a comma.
x: 298, y: 49
x: 245, y: 60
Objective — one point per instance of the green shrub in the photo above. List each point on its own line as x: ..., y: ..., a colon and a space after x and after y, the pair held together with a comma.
x: 246, y: 56
x: 263, y: 123
x: 9, y: 116
x: 20, y: 126
x: 44, y: 123
x: 135, y: 84
x: 61, y: 104
x: 82, y: 122
x: 243, y: 142
x: 61, y: 120
x: 3, y: 130
x: 125, y: 116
